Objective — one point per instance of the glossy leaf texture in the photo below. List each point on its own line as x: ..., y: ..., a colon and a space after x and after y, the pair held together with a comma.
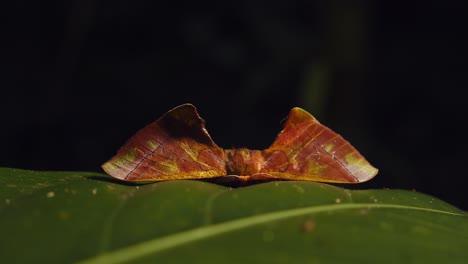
x: 82, y: 217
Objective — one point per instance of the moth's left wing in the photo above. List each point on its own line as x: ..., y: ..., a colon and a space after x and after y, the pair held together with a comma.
x: 176, y: 146
x: 307, y: 150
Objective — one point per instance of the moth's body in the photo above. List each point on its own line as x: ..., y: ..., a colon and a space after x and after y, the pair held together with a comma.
x: 177, y: 146
x: 243, y: 162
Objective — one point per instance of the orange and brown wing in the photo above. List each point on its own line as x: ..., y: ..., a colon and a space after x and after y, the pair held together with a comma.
x: 176, y: 146
x: 308, y: 150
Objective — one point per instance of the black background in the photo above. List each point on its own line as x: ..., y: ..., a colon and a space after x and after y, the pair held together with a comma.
x: 80, y: 77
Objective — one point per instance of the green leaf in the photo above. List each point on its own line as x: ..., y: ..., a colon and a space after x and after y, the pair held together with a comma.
x: 69, y: 217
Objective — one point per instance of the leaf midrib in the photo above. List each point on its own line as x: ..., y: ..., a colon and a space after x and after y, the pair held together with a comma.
x: 152, y: 246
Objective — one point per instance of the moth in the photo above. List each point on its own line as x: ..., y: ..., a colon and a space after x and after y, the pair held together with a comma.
x: 177, y: 146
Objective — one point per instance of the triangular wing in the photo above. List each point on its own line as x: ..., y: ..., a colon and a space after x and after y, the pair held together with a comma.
x: 176, y: 146
x: 308, y: 150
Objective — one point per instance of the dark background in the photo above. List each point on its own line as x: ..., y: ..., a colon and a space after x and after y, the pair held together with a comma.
x: 80, y: 77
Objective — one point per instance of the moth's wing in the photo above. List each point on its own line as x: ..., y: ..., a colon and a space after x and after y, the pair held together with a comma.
x: 176, y: 146
x: 308, y: 150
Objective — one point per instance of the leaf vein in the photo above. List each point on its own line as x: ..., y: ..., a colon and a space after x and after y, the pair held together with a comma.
x: 159, y: 244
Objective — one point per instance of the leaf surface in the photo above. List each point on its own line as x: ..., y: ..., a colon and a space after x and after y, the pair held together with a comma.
x: 68, y: 217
